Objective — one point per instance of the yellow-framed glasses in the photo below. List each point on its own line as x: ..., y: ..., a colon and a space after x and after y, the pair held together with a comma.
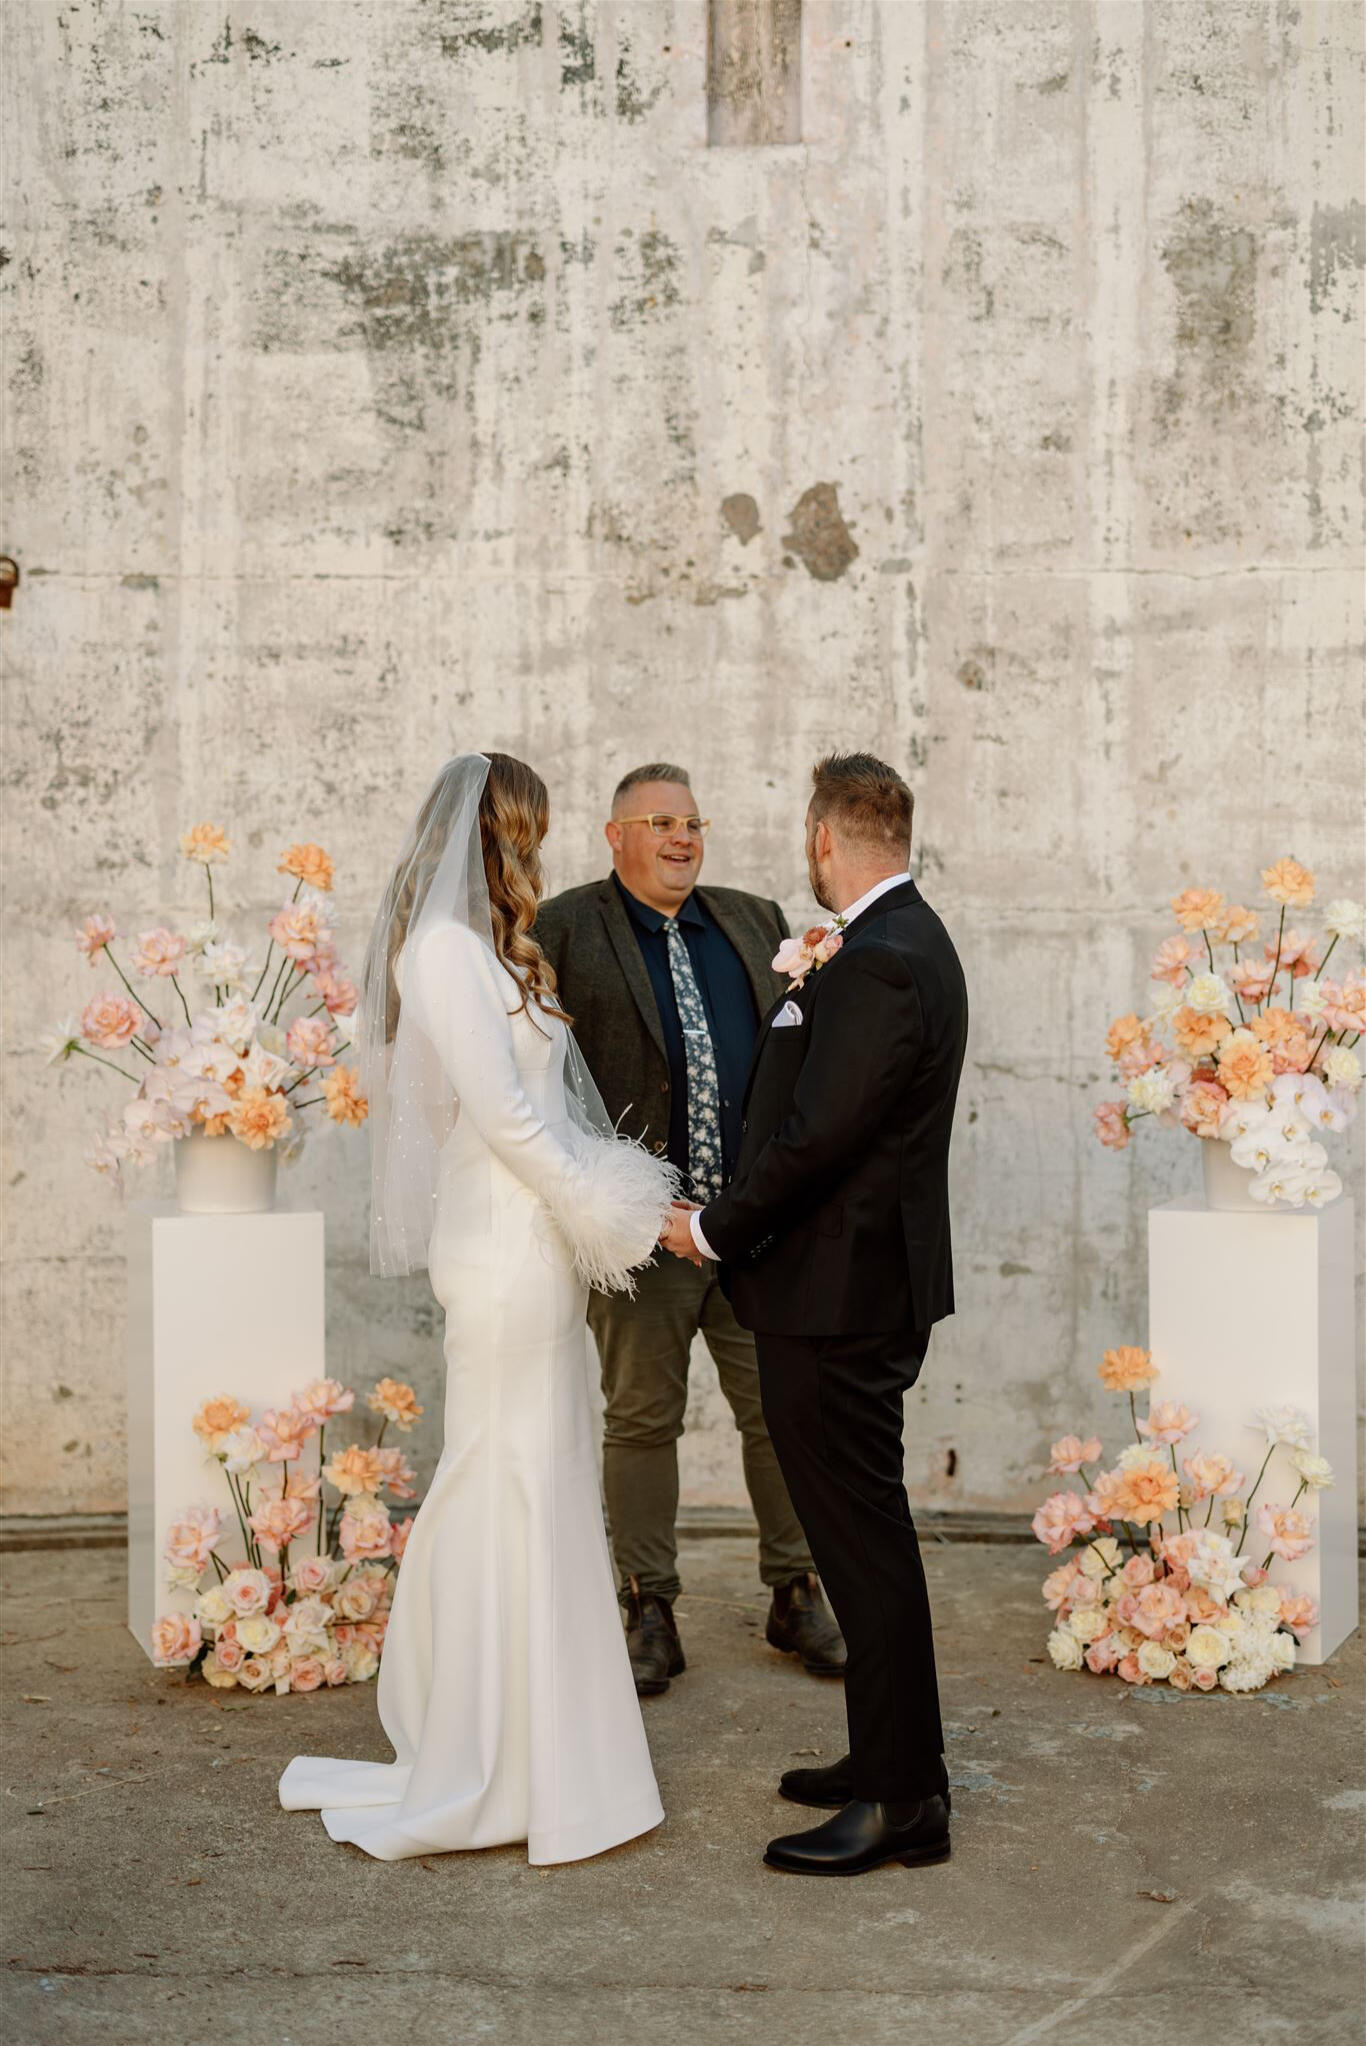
x: 664, y: 826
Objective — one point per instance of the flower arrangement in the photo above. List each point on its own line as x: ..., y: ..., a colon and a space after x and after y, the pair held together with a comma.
x: 796, y: 957
x: 1244, y: 1041
x: 307, y: 1605
x: 1186, y: 1607
x: 233, y: 1063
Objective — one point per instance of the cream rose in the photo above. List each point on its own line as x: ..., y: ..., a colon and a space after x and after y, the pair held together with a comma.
x: 1207, y: 1649
x: 247, y: 1591
x: 1156, y: 1661
x: 1065, y: 1649
x: 258, y: 1633
x: 214, y: 1606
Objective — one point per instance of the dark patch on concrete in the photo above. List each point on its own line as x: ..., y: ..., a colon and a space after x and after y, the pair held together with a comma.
x: 512, y: 35
x: 633, y: 102
x: 818, y: 536
x: 963, y: 273
x: 1057, y: 83
x: 655, y: 261
x: 139, y: 582
x: 257, y: 48
x: 221, y: 52
x: 578, y: 59
x: 1013, y: 1271
x: 895, y: 564
x: 972, y: 674
x: 1057, y: 442
x: 1212, y: 264
x: 407, y: 289
x: 1337, y: 241
x: 741, y: 514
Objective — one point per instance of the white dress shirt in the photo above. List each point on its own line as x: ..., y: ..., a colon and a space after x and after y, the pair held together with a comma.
x: 845, y: 916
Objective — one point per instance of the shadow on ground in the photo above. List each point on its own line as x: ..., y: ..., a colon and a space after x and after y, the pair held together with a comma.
x: 1134, y: 1861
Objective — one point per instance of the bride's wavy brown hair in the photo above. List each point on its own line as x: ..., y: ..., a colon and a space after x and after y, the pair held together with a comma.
x: 514, y: 816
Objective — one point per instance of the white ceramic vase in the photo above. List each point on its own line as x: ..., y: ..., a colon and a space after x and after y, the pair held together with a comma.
x: 221, y: 1176
x: 1228, y: 1187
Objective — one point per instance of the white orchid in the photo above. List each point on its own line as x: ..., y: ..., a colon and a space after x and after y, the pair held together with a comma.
x: 1285, y: 1424
x: 236, y: 1022
x: 223, y: 964
x: 62, y: 1043
x: 261, y: 1068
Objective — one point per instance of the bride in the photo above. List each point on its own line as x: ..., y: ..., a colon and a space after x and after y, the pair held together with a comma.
x: 504, y: 1687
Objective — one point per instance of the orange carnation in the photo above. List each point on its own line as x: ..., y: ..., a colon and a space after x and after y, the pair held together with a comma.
x: 309, y: 864
x: 1198, y: 909
x: 1197, y: 1035
x: 1146, y: 1491
x: 1127, y: 1369
x: 218, y: 1417
x: 207, y: 843
x: 345, y: 1102
x: 1288, y: 882
x: 259, y: 1119
x: 1244, y: 1067
x: 1237, y: 925
x: 1124, y: 1031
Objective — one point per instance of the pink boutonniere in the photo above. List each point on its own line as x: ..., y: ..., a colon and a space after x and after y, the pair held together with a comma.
x: 796, y: 957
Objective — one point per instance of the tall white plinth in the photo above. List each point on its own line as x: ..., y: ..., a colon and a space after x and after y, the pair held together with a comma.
x: 216, y: 1304
x: 1256, y: 1310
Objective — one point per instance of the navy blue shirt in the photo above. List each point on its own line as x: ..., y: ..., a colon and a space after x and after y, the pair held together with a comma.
x: 732, y: 1017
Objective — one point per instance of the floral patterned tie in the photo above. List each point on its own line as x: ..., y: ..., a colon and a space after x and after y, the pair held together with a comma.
x: 704, y: 1120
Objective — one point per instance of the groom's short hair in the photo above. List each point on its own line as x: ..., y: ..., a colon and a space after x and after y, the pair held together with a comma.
x: 653, y: 770
x: 866, y: 801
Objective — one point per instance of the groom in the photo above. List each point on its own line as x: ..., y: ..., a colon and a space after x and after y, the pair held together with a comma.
x: 833, y: 1238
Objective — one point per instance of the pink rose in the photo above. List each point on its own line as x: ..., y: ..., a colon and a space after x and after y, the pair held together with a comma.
x: 285, y: 1432
x: 1112, y: 1127
x: 366, y: 1535
x: 321, y: 1398
x: 399, y: 1475
x: 1168, y: 1422
x: 176, y: 1639
x: 311, y: 1574
x: 1173, y: 957
x: 1153, y: 1610
x: 309, y: 1042
x: 300, y: 930
x: 248, y: 1591
x: 1102, y: 1655
x: 95, y: 933
x: 157, y: 952
x: 340, y: 995
x: 1289, y: 1534
x: 1061, y: 1517
x: 1070, y: 1453
x: 1201, y: 1106
x: 1138, y: 1571
x: 1298, y: 1613
x: 278, y: 1522
x: 190, y: 1539
x: 1204, y: 1679
x: 110, y: 1021
x: 229, y: 1650
x: 307, y: 1674
x: 334, y: 1669
x: 1128, y: 1668
x: 356, y: 1599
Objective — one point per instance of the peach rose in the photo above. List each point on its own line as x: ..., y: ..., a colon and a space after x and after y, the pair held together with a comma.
x: 253, y: 1674
x: 334, y: 1669
x: 1059, y: 1519
x: 1197, y: 1036
x: 1147, y: 1491
x: 1127, y: 1369
x: 1237, y: 926
x: 1070, y: 1453
x: 345, y: 1102
x: 1153, y: 1610
x: 219, y: 1418
x: 278, y: 1522
x: 1201, y: 1106
x: 1129, y: 1668
x: 1139, y: 1057
x: 322, y: 1398
x: 399, y: 1537
x: 1123, y: 1032
x: 307, y: 1673
x: 1244, y: 1067
x: 1112, y: 1125
x: 309, y: 864
x: 190, y: 1539
x: 1138, y: 1571
x: 311, y: 1574
x: 1347, y: 1009
x: 248, y: 1591
x: 1102, y: 1655
x: 1252, y: 983
x: 340, y: 994
x: 207, y: 843
x: 1198, y: 909
x: 1288, y: 882
x: 176, y: 1639
x: 1211, y: 1476
x: 365, y: 1535
x: 157, y: 952
x: 93, y: 936
x: 1298, y: 950
x: 299, y: 930
x: 355, y: 1469
x: 1289, y: 1534
x: 396, y: 1401
x: 110, y: 1021
x: 309, y: 1042
x: 258, y: 1119
x: 285, y: 1431
x: 229, y: 1650
x: 1298, y: 1613
x: 356, y: 1599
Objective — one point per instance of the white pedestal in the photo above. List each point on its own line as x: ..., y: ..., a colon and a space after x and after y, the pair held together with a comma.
x: 216, y: 1304
x: 1249, y: 1311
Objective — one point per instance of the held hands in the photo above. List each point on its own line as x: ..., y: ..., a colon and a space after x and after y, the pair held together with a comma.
x: 676, y: 1235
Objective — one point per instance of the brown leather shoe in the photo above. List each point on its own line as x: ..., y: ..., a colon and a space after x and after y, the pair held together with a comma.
x: 799, y: 1622
x: 652, y: 1641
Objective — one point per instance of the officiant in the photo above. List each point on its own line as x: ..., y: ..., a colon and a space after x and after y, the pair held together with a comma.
x: 666, y: 983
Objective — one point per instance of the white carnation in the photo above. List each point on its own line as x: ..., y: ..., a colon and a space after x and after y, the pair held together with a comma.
x: 235, y: 1022
x: 1341, y: 1068
x: 1344, y: 919
x: 1208, y: 994
x: 1248, y: 1672
x: 1165, y: 1000
x: 223, y: 965
x: 1315, y: 1471
x: 1153, y: 1092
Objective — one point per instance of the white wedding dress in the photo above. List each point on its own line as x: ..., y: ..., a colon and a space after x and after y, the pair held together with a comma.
x: 504, y: 1685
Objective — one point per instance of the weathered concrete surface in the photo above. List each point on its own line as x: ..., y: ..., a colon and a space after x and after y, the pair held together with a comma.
x: 384, y: 376
x: 1126, y: 1863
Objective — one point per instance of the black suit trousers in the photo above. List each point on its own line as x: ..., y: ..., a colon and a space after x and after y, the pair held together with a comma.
x: 833, y: 1405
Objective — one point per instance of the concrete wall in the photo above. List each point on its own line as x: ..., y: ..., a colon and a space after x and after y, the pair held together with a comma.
x: 387, y: 377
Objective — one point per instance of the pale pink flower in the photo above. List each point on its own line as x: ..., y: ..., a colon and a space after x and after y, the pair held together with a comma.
x: 1252, y: 983
x: 792, y: 959
x: 307, y: 1673
x: 1172, y: 959
x: 1168, y: 1422
x: 1204, y: 1679
x: 1128, y: 1668
x: 340, y: 994
x: 190, y: 1539
x: 176, y: 1639
x: 399, y: 1475
x: 322, y: 1398
x: 248, y: 1592
x: 334, y: 1669
x: 1102, y: 1655
x: 299, y: 929
x: 1070, y: 1453
x: 1299, y: 1613
x: 1299, y: 951
x: 357, y: 1598
x: 1212, y: 1475
x: 285, y: 1431
x: 1347, y: 1008
x: 229, y: 1650
x: 396, y: 1401
x: 1061, y: 1586
x: 311, y: 1574
x: 826, y: 947
x: 110, y: 1021
x: 95, y: 933
x: 366, y: 1535
x: 1289, y: 1534
x: 157, y: 952
x: 1138, y: 1571
x: 399, y: 1537
x: 1112, y: 1127
x: 309, y: 1042
x: 1201, y: 1106
x: 1059, y: 1519
x: 300, y: 1484
x: 1153, y: 1610
x: 278, y: 1522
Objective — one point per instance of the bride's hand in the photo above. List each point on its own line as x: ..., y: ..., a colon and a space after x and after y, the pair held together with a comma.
x: 677, y: 1236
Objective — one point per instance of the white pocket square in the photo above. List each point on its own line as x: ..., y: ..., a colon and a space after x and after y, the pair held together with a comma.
x: 787, y: 1016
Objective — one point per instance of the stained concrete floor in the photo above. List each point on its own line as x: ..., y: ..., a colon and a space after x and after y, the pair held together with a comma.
x: 1133, y: 1861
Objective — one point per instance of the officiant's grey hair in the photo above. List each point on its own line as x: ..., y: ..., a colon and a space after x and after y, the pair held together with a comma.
x: 653, y: 770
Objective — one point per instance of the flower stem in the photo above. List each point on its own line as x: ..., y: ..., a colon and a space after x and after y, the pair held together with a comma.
x: 1280, y: 934
x: 109, y: 955
x: 1247, y: 1504
x: 1327, y: 956
x: 208, y: 876
x: 175, y: 983
x: 322, y: 1437
x: 1180, y: 1509
x: 106, y: 1062
x: 270, y: 948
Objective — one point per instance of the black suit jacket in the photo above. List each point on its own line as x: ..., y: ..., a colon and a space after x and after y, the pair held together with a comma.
x: 602, y: 981
x: 837, y: 1219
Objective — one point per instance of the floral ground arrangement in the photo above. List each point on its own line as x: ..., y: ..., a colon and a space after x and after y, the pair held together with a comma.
x: 212, y: 1038
x: 1244, y: 1039
x: 306, y: 1603
x: 1168, y: 1576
